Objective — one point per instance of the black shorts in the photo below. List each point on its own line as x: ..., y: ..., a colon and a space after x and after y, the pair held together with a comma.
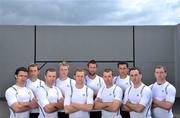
x: 124, y: 114
x: 95, y: 114
x: 33, y: 115
x: 63, y: 115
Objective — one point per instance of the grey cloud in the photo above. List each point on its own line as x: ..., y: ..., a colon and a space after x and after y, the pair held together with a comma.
x: 85, y: 12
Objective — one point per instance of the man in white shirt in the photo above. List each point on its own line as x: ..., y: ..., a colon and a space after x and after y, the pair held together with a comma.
x: 123, y: 81
x: 95, y: 82
x: 138, y: 97
x: 34, y: 83
x: 79, y: 101
x: 64, y: 83
x: 109, y: 98
x: 49, y: 97
x: 163, y: 93
x: 20, y: 99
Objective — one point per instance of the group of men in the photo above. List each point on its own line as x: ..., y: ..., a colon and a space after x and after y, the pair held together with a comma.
x: 89, y: 95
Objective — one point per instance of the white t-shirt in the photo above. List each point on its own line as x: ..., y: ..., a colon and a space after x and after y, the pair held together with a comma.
x: 34, y: 86
x: 165, y: 92
x: 46, y: 95
x: 95, y: 84
x: 82, y: 96
x: 141, y: 95
x: 18, y: 94
x: 122, y: 83
x: 108, y: 95
x: 64, y: 85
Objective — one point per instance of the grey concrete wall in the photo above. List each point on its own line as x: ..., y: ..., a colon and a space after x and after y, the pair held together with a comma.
x: 79, y: 43
x: 16, y: 49
x: 83, y: 43
x: 177, y: 59
x: 153, y: 45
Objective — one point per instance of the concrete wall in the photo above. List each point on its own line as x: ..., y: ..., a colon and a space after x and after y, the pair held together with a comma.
x: 83, y: 43
x: 153, y: 45
x: 16, y: 49
x: 177, y: 59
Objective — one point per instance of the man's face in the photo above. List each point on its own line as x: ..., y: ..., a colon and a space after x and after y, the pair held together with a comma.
x: 79, y: 77
x: 21, y: 77
x: 123, y: 69
x: 92, y: 68
x: 160, y: 74
x: 50, y: 77
x: 135, y: 77
x: 33, y: 72
x: 108, y: 77
x: 63, y: 71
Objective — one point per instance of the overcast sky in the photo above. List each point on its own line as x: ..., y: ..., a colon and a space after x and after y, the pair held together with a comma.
x: 89, y: 12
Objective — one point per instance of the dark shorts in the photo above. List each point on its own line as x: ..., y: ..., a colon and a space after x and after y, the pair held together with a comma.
x: 124, y: 114
x: 63, y: 115
x: 33, y: 115
x: 95, y: 114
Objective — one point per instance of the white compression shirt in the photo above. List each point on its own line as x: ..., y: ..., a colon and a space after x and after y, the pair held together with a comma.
x: 82, y: 96
x: 162, y: 92
x: 18, y: 94
x: 141, y: 95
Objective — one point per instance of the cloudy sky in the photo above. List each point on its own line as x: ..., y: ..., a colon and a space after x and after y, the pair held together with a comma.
x: 89, y: 12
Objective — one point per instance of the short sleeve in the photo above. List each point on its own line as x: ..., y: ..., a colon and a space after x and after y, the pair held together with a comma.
x: 42, y: 97
x: 10, y: 95
x: 118, y: 93
x: 146, y: 96
x: 90, y: 96
x: 102, y: 82
x: 67, y: 99
x: 171, y: 94
x: 125, y: 99
x: 59, y: 93
x: 32, y: 94
x: 99, y: 93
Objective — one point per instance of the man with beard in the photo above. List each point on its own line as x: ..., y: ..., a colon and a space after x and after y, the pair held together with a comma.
x: 95, y: 82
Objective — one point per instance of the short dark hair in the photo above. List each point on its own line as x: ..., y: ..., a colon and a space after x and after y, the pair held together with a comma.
x: 91, y: 62
x: 122, y: 63
x: 161, y: 66
x: 79, y: 70
x: 49, y: 70
x: 20, y: 69
x: 33, y: 65
x: 135, y: 68
x: 107, y: 70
